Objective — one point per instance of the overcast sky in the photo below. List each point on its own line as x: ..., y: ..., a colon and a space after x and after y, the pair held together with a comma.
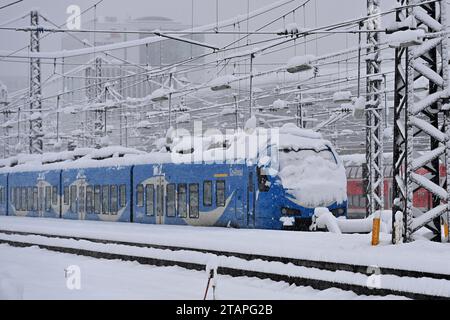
x: 180, y: 10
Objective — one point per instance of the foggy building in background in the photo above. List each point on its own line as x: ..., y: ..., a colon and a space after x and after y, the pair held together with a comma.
x: 158, y: 54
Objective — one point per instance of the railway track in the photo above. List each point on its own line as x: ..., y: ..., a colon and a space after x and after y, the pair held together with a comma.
x: 319, y: 275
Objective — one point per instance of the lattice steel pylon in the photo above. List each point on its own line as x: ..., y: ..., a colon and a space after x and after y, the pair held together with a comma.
x: 99, y: 87
x: 419, y: 117
x: 36, y: 134
x: 374, y: 114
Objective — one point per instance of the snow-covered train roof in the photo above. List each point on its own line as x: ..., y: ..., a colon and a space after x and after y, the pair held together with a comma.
x: 236, y: 147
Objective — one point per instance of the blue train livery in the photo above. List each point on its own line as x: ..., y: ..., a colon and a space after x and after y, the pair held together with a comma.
x: 233, y: 181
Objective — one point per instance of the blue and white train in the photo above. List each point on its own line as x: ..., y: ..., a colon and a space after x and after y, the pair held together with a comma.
x: 272, y: 186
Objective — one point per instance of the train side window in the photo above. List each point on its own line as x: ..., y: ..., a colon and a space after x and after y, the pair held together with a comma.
x: 66, y: 195
x: 251, y: 187
x: 89, y: 202
x: 140, y: 195
x: 30, y: 199
x: 81, y: 199
x: 363, y: 201
x: 12, y: 196
x: 1, y: 194
x: 123, y: 195
x: 35, y: 199
x: 193, y: 200
x: 24, y: 199
x: 150, y: 200
x: 48, y: 198
x: 114, y: 200
x: 220, y: 193
x: 105, y: 199
x: 73, y: 198
x: 54, y: 195
x: 41, y: 198
x: 182, y: 200
x: 170, y: 200
x: 159, y: 200
x: 17, y: 198
x: 97, y: 203
x: 207, y: 193
x: 262, y: 180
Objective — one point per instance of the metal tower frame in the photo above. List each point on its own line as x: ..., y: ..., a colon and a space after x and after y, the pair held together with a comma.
x: 419, y: 117
x: 374, y: 114
x: 36, y: 134
x: 98, y: 122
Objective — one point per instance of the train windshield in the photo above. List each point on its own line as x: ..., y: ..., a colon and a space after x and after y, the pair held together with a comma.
x: 291, y: 156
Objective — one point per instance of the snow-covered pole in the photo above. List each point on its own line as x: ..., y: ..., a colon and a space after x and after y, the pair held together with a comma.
x: 98, y: 122
x: 35, y: 135
x: 425, y: 60
x: 252, y: 56
x: 300, y: 110
x: 409, y: 144
x: 446, y: 83
x: 236, y: 111
x: 57, y: 119
x: 170, y: 100
x: 374, y: 121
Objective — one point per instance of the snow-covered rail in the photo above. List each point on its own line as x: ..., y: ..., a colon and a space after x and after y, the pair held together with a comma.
x: 316, y: 274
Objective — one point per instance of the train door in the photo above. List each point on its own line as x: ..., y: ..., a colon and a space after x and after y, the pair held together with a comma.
x: 41, y: 197
x: 250, y: 200
x: 160, y: 208
x: 82, y: 202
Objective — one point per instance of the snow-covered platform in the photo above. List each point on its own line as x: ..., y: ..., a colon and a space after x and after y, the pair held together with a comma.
x: 421, y: 255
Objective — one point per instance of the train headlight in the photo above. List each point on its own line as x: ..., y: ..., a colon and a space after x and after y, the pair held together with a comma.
x: 290, y: 212
x: 338, y: 212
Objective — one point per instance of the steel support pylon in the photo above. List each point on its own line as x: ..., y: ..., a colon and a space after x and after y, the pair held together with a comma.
x: 35, y: 134
x: 99, y: 87
x: 420, y: 120
x: 374, y: 114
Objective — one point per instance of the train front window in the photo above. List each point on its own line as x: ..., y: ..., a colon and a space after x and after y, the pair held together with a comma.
x: 292, y: 156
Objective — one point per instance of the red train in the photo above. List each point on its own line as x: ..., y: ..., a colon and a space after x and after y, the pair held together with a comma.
x: 357, y: 195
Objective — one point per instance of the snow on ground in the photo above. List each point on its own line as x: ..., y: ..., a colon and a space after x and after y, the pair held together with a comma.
x: 33, y: 273
x: 420, y: 255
